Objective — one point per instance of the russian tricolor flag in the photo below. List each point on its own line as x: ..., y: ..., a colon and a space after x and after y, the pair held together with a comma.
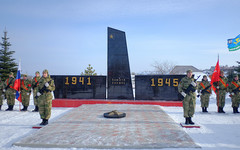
x: 17, y: 84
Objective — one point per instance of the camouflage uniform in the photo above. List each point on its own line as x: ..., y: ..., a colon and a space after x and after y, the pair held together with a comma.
x: 189, y: 100
x: 25, y: 92
x: 221, y: 90
x: 234, y: 89
x: 1, y: 93
x: 45, y: 97
x: 205, y: 94
x: 10, y: 92
x: 34, y: 87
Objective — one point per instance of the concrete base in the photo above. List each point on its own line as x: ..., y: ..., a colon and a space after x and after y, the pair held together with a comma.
x: 144, y: 127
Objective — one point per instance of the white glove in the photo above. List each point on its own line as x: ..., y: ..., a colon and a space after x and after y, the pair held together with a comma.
x: 217, y: 87
x: 183, y: 94
x: 193, y: 84
x: 46, y: 84
x: 4, y: 90
x: 27, y: 93
x: 38, y: 94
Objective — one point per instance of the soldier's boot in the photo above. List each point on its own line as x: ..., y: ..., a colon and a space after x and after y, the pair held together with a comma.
x: 219, y: 110
x: 237, y: 110
x: 234, y: 110
x: 43, y: 121
x: 190, y: 121
x: 206, y: 109
x: 36, y: 109
x: 24, y: 108
x: 222, y: 110
x: 0, y: 107
x: 46, y: 122
x: 10, y: 108
x: 203, y: 110
x: 187, y: 120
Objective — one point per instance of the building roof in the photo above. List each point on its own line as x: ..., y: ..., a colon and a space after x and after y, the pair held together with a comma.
x: 183, y: 69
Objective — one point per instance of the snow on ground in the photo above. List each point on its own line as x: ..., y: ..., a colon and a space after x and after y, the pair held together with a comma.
x: 217, y: 132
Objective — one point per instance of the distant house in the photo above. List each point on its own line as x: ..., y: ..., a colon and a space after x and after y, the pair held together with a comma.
x: 183, y: 69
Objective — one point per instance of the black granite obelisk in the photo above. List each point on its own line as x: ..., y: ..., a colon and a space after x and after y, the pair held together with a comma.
x: 119, y: 77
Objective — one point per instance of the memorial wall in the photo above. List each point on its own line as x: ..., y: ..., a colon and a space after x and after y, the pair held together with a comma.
x: 119, y: 82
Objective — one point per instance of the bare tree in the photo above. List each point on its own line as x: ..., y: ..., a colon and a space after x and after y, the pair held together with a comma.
x: 164, y: 67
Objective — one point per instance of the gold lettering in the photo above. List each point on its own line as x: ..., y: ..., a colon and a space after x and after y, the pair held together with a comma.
x: 89, y: 81
x: 74, y: 80
x: 81, y: 80
x: 175, y: 82
x: 160, y: 82
x: 152, y: 82
x: 168, y: 82
x: 66, y: 82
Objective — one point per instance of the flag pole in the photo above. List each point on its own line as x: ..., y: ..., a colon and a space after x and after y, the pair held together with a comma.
x: 218, y: 91
x: 19, y: 64
x: 20, y: 83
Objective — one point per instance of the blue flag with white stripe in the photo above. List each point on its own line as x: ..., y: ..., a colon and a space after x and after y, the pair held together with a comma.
x: 234, y: 44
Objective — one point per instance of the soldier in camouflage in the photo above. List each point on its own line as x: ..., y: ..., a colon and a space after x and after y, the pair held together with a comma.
x: 204, y: 89
x: 234, y: 90
x: 1, y: 92
x: 221, y: 90
x: 10, y: 92
x: 25, y: 92
x: 44, y: 96
x: 34, y: 87
x: 187, y: 88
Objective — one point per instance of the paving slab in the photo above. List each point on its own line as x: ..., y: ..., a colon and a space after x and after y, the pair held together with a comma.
x: 144, y: 127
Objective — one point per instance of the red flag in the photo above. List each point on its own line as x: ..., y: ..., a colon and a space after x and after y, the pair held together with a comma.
x: 215, y: 75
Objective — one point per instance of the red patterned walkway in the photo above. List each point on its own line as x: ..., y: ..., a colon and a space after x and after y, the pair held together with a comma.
x: 145, y: 126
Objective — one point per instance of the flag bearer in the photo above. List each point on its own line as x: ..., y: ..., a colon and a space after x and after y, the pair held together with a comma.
x: 234, y: 89
x: 25, y: 92
x: 35, y: 83
x: 205, y: 91
x: 10, y: 92
x: 221, y: 90
x: 187, y: 88
x: 44, y: 93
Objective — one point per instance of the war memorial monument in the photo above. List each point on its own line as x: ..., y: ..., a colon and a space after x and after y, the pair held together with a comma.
x: 118, y: 83
x: 144, y: 127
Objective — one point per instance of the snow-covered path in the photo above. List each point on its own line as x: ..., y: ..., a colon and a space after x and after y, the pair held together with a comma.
x: 218, y: 131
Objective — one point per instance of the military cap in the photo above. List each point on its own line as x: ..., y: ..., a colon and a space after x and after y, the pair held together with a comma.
x: 235, y: 75
x: 24, y: 75
x: 221, y: 71
x: 37, y: 72
x: 204, y: 76
x: 189, y: 70
x: 45, y: 71
x: 11, y: 73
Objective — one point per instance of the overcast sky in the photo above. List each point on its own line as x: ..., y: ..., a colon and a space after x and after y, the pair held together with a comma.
x: 64, y: 36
